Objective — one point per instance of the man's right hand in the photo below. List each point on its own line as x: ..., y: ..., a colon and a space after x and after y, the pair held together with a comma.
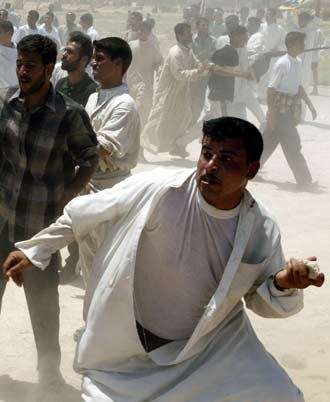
x: 14, y: 266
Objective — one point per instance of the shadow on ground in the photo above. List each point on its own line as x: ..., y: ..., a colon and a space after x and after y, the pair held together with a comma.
x: 21, y: 391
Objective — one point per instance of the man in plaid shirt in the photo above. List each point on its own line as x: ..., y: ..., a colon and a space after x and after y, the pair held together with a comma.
x: 48, y: 152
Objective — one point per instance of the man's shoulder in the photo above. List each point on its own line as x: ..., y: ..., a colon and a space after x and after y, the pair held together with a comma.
x: 6, y: 93
x: 68, y: 103
x: 263, y: 215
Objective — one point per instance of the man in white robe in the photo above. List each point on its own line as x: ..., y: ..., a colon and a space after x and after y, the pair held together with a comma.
x: 168, y: 256
x: 8, y: 56
x: 31, y: 28
x: 172, y: 114
x: 146, y: 61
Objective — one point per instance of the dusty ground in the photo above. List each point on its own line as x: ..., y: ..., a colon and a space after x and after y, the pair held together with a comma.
x: 301, y: 343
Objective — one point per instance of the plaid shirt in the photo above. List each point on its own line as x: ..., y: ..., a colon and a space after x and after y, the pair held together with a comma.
x: 39, y: 151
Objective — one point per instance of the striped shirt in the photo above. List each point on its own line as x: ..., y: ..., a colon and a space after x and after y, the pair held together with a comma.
x: 39, y: 152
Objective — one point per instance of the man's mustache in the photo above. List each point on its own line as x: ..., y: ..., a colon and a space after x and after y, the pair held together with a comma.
x: 211, y: 179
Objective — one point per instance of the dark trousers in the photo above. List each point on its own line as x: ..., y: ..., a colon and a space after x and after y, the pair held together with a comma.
x: 41, y: 294
x: 286, y: 134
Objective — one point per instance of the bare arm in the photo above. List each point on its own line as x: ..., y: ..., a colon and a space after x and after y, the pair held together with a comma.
x: 305, y: 98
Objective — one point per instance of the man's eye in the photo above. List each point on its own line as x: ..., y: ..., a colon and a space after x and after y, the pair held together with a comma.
x: 207, y: 155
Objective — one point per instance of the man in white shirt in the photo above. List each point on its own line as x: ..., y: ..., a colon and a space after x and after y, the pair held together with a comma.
x: 31, y: 28
x: 169, y: 256
x: 4, y: 16
x: 50, y: 30
x: 70, y: 26
x: 134, y: 23
x: 86, y: 22
x: 8, y: 56
x: 113, y: 114
x: 146, y: 61
x: 274, y: 36
x: 285, y: 92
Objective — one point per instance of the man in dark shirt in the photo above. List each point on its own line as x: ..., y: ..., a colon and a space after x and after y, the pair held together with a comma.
x: 222, y: 80
x: 48, y: 152
x: 78, y: 85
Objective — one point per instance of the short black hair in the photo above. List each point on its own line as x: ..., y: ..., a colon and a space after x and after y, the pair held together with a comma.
x: 115, y: 48
x: 232, y: 127
x: 88, y: 18
x: 40, y: 44
x: 180, y: 28
x: 294, y: 37
x: 34, y: 14
x: 147, y: 25
x: 86, y: 47
x: 239, y: 30
x: 6, y: 26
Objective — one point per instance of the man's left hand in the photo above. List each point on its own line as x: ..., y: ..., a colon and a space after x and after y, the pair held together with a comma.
x: 295, y: 276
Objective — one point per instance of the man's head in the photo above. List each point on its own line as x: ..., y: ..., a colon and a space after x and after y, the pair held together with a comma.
x: 231, y: 22
x: 77, y: 52
x: 218, y: 15
x: 49, y: 18
x: 253, y: 25
x: 6, y: 33
x: 295, y: 42
x: 260, y: 13
x: 3, y: 14
x: 86, y: 21
x: 230, y: 157
x: 244, y: 13
x: 183, y: 33
x: 304, y: 18
x: 145, y: 30
x: 271, y: 15
x: 135, y: 20
x: 70, y: 18
x: 238, y: 37
x: 111, y: 59
x: 32, y: 18
x: 36, y: 59
x: 209, y: 13
x: 202, y: 26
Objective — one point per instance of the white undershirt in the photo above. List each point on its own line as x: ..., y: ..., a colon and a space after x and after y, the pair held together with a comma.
x: 182, y: 254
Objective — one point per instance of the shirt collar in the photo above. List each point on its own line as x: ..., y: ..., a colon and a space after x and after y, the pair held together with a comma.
x: 50, y: 101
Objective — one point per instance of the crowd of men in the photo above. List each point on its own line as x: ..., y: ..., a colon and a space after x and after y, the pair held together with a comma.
x: 76, y: 117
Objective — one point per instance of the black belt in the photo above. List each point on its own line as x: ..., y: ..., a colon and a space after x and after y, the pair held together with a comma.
x: 149, y: 340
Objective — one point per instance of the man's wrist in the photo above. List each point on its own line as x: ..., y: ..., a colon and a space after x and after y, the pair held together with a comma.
x: 276, y: 284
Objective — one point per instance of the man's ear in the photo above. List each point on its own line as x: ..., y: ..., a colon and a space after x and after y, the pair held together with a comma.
x: 49, y: 69
x: 253, y: 169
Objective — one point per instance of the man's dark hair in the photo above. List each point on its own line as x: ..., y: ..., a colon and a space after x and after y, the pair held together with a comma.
x: 115, y: 48
x: 41, y: 45
x: 232, y: 127
x: 240, y: 30
x: 86, y: 47
x: 6, y: 26
x: 293, y: 37
x: 88, y: 18
x: 231, y: 22
x: 180, y: 28
x: 306, y: 15
x: 34, y: 14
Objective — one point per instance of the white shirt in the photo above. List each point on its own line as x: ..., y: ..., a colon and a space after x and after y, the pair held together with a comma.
x: 8, y: 56
x: 183, y: 252
x: 26, y: 30
x: 92, y: 33
x: 286, y: 75
x: 274, y: 36
x: 115, y: 120
x: 222, y: 41
x: 53, y: 34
